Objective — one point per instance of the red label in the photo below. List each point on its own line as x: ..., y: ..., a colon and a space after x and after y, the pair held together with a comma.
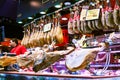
x: 71, y: 20
x: 103, y: 10
x: 117, y: 7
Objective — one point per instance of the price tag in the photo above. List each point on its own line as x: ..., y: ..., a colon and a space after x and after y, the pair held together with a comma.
x: 93, y: 14
x: 83, y: 13
x: 47, y: 27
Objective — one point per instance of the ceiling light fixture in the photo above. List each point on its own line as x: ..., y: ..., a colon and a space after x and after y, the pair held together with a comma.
x: 42, y: 12
x: 58, y: 6
x: 64, y: 19
x: 35, y: 3
x: 30, y: 17
x: 67, y: 3
x: 20, y: 22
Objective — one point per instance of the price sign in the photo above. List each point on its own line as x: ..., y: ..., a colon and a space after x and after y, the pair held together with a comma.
x: 84, y: 13
x: 47, y: 27
x: 93, y: 14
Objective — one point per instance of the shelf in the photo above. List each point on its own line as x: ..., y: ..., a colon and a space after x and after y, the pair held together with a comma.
x: 112, y: 52
x: 102, y: 65
x: 77, y: 76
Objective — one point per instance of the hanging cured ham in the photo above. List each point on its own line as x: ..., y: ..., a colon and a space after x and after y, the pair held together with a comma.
x: 103, y: 16
x: 116, y: 13
x: 35, y: 40
x: 76, y: 22
x: 83, y: 23
x: 32, y: 36
x: 53, y: 30
x: 91, y: 23
x: 37, y: 36
x: 98, y: 22
x: 26, y: 37
x: 23, y: 39
x: 41, y: 33
x: 41, y: 38
x: 49, y: 32
x: 70, y: 23
x: 109, y: 16
x: 58, y: 31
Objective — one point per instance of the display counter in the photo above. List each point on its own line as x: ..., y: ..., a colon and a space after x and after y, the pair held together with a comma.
x: 60, y: 65
x: 61, y: 76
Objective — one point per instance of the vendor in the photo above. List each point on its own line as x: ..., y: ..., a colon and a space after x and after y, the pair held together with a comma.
x: 17, y: 48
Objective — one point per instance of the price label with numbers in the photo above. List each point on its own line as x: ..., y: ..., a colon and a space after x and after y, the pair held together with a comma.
x: 93, y: 14
x: 47, y: 27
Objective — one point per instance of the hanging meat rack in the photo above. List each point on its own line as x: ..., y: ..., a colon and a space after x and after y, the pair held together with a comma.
x: 64, y: 8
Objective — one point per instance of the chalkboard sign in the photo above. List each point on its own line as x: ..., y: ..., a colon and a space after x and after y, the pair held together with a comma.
x: 2, y: 33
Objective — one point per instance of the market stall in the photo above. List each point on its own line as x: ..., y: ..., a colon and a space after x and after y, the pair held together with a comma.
x: 88, y: 49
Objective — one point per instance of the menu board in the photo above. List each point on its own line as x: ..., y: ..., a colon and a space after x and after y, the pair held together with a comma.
x: 92, y: 14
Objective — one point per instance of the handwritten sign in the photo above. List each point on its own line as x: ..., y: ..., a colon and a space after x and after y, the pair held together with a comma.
x: 83, y: 13
x: 92, y: 14
x: 47, y: 27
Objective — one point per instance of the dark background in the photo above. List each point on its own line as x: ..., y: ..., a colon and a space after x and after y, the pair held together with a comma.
x: 12, y: 11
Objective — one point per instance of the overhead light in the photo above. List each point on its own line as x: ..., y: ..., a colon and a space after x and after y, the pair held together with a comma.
x: 42, y: 12
x: 64, y: 18
x: 58, y: 6
x: 30, y: 17
x: 20, y: 22
x: 67, y: 3
x: 35, y: 3
x: 19, y: 15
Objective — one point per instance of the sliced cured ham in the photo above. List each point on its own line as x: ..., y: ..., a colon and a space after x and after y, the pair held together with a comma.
x: 80, y: 59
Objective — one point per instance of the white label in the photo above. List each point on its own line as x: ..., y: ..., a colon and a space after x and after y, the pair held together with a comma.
x: 47, y: 27
x: 83, y: 13
x: 93, y: 14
